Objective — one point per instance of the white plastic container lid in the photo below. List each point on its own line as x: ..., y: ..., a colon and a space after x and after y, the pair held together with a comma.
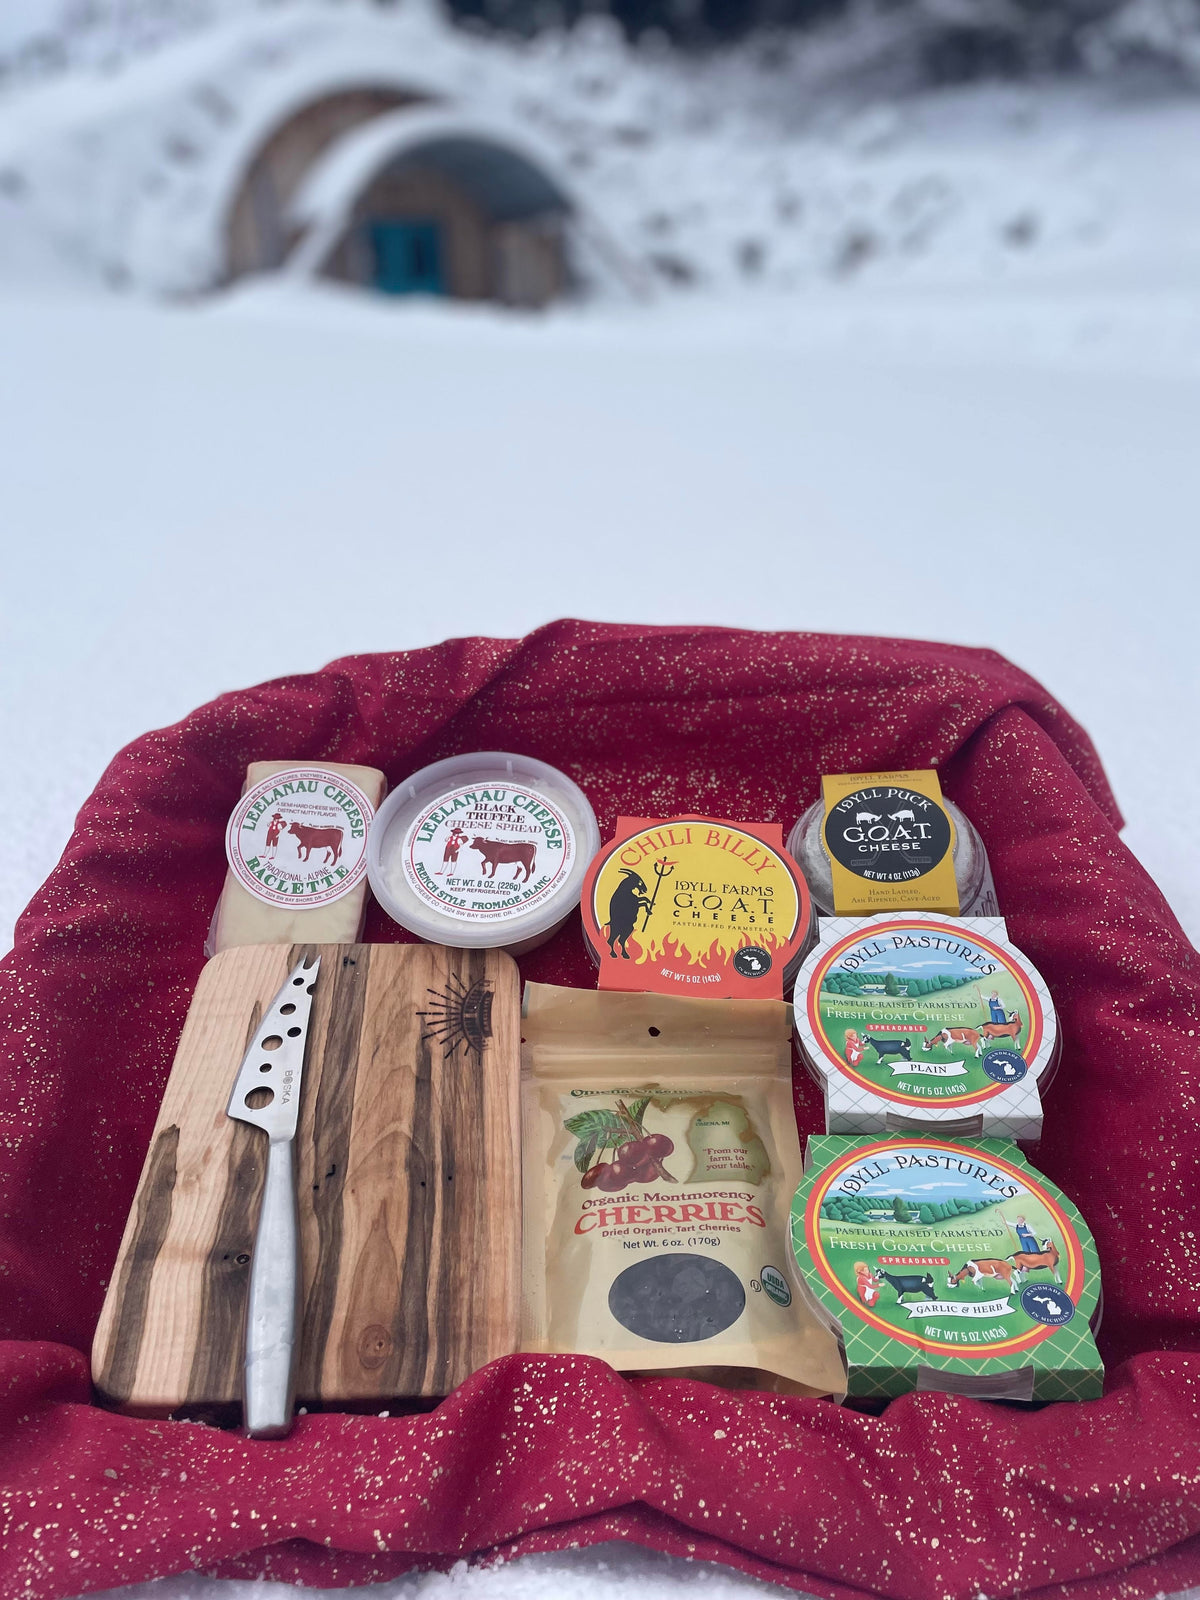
x: 482, y: 851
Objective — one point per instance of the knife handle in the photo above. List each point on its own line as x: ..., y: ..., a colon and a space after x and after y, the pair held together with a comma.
x: 272, y: 1312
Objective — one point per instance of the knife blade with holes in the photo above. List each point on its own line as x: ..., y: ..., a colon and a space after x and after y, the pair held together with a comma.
x: 266, y: 1094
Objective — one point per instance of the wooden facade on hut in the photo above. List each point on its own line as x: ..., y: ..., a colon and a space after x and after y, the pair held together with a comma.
x: 455, y: 214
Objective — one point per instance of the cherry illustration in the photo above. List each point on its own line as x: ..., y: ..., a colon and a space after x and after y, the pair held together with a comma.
x: 649, y: 1154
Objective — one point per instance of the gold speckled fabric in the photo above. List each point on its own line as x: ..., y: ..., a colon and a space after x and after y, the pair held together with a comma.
x: 937, y: 1497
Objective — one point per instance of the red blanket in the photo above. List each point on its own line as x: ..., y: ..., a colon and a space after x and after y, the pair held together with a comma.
x: 937, y: 1497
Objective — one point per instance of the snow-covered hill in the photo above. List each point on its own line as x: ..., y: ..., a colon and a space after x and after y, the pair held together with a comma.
x: 762, y: 169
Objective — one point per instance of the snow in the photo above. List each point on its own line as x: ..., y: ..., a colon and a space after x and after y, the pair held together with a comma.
x: 951, y: 335
x: 605, y: 1572
x: 758, y: 169
x: 1028, y: 458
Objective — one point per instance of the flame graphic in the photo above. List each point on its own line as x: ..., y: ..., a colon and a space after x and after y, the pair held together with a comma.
x: 677, y: 950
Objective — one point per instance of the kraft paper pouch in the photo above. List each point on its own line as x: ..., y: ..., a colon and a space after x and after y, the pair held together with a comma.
x: 660, y: 1159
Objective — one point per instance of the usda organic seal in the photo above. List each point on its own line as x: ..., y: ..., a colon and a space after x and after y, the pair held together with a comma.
x: 775, y: 1286
x: 299, y: 838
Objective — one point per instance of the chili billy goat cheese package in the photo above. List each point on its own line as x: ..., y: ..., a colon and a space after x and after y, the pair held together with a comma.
x: 696, y: 905
x: 661, y: 1155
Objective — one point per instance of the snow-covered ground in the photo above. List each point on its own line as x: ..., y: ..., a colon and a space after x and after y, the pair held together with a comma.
x: 605, y: 1572
x: 1030, y: 457
x: 955, y: 337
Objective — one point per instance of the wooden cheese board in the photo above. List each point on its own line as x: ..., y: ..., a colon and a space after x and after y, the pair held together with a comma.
x: 409, y: 1183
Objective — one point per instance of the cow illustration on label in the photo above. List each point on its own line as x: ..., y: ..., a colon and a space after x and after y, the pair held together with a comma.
x: 310, y: 839
x: 520, y: 854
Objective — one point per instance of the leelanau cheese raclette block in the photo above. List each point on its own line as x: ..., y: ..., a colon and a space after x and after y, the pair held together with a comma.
x: 949, y: 1265
x: 922, y: 1022
x: 296, y: 848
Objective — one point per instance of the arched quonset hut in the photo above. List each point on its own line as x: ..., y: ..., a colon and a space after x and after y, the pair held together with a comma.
x: 426, y: 201
x: 375, y: 147
x: 259, y: 234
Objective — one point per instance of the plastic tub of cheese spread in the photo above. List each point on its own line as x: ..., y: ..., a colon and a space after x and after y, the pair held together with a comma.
x: 482, y: 851
x: 976, y: 892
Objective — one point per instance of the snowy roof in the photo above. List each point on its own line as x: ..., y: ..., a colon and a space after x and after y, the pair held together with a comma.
x: 509, y: 174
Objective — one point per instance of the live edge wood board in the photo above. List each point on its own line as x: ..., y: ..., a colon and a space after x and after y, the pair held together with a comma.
x: 409, y: 1186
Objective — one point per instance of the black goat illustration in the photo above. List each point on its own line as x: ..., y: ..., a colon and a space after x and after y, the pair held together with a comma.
x: 628, y: 900
x: 911, y: 1283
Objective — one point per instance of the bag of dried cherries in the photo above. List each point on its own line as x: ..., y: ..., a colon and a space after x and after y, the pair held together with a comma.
x: 660, y: 1160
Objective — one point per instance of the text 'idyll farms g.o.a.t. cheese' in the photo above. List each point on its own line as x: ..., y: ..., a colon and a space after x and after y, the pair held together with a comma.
x: 696, y: 906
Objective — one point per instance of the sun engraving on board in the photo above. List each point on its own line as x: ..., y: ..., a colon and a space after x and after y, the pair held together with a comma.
x: 460, y: 1017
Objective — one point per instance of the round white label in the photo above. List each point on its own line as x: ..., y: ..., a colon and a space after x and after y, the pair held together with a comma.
x: 482, y: 854
x: 299, y: 838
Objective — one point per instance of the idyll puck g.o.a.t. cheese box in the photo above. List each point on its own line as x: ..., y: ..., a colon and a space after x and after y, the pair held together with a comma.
x: 924, y: 1022
x: 950, y: 1265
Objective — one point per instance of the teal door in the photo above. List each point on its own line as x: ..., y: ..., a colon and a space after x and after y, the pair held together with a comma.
x: 408, y: 257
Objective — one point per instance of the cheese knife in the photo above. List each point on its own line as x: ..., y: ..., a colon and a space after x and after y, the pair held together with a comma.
x: 266, y: 1094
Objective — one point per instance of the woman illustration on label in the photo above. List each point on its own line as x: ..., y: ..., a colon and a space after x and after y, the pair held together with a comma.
x: 855, y: 1048
x: 866, y: 1284
x: 454, y: 844
x: 995, y: 1006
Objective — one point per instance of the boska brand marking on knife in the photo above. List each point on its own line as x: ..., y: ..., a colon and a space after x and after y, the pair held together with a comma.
x: 266, y: 1094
